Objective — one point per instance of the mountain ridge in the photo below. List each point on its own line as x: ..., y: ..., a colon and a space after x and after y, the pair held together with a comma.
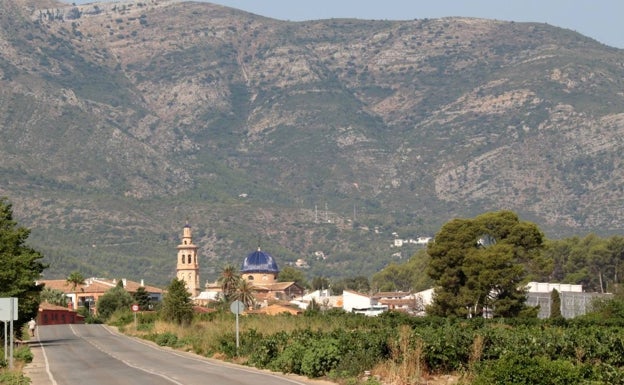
x: 121, y: 120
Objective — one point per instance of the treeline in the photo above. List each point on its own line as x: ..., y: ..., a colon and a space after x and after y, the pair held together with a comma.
x: 596, y: 263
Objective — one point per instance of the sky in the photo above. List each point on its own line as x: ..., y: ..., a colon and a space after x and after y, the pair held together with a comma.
x: 601, y: 20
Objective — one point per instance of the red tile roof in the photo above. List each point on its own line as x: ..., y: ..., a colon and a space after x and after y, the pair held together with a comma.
x: 95, y: 285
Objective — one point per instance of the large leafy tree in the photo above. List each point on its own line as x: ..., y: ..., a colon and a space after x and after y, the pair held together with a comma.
x: 482, y: 263
x: 292, y: 274
x: 21, y: 265
x: 177, y: 306
x: 406, y: 276
x: 114, y: 299
x: 594, y: 262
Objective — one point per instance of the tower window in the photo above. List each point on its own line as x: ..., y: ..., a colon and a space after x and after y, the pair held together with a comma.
x: 182, y: 259
x: 250, y: 278
x: 189, y: 258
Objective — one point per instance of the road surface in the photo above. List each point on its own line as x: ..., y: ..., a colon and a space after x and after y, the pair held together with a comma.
x: 98, y: 355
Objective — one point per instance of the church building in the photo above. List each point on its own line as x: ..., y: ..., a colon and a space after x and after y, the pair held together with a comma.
x: 260, y: 269
x: 187, y: 269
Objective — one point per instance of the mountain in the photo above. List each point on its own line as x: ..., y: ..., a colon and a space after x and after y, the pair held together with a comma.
x: 316, y: 140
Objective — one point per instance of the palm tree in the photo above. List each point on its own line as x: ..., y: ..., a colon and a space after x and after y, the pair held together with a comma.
x: 75, y: 279
x: 53, y: 296
x: 245, y: 293
x: 229, y: 280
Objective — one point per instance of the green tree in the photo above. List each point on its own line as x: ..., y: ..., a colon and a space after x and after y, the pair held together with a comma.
x: 74, y: 279
x: 21, y: 265
x: 407, y: 276
x: 245, y: 293
x: 319, y: 283
x: 229, y: 280
x: 292, y: 274
x: 177, y: 306
x: 142, y: 298
x: 555, y: 304
x: 53, y: 296
x: 359, y: 284
x: 591, y: 261
x: 116, y: 298
x: 482, y: 263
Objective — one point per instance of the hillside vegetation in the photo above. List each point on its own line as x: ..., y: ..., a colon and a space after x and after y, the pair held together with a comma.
x: 121, y: 121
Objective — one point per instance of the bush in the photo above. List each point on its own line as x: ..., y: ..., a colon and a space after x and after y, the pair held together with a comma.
x: 320, y: 357
x: 603, y: 374
x: 23, y: 353
x: 512, y: 369
x: 289, y: 361
x: 13, y: 378
x: 361, y: 351
x: 166, y: 339
x: 267, y: 350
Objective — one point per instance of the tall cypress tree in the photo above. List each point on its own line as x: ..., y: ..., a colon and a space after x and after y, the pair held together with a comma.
x: 177, y: 306
x: 20, y: 266
x: 555, y: 304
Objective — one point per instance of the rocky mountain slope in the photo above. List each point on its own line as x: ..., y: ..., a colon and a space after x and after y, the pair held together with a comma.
x: 120, y: 121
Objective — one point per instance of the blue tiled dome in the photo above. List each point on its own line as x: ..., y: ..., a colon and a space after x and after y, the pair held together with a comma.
x: 259, y: 262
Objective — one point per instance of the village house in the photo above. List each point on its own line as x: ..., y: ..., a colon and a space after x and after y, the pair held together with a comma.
x: 88, y: 293
x: 49, y: 314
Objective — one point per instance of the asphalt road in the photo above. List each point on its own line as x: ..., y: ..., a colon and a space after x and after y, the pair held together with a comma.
x: 98, y: 355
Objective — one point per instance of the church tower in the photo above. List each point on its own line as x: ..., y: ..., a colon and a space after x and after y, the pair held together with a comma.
x: 188, y: 265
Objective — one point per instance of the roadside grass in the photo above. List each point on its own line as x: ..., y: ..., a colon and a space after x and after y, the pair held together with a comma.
x: 207, y: 332
x: 21, y: 356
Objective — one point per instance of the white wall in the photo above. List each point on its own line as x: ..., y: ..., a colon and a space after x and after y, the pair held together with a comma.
x: 351, y: 300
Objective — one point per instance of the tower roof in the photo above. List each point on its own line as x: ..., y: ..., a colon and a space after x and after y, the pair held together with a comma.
x: 259, y: 262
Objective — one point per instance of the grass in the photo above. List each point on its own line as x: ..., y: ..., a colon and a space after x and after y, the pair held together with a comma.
x: 203, y: 336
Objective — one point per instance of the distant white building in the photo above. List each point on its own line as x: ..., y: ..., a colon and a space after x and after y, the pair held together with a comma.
x: 398, y: 242
x: 321, y: 297
x: 361, y: 303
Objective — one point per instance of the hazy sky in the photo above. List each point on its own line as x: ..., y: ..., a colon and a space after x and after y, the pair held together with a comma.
x: 602, y: 20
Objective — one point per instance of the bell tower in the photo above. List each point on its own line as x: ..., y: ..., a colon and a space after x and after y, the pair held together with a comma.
x: 187, y: 269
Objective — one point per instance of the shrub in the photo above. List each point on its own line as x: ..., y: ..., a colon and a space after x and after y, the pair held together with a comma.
x: 268, y: 349
x: 360, y: 351
x: 603, y: 374
x: 226, y: 344
x: 23, y: 353
x: 13, y: 378
x: 166, y: 339
x: 512, y: 369
x: 320, y: 357
x: 289, y: 361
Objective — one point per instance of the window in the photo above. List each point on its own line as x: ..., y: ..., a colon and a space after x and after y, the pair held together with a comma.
x: 250, y: 278
x: 189, y: 258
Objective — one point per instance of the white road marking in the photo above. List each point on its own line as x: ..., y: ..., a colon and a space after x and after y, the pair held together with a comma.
x: 47, y: 365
